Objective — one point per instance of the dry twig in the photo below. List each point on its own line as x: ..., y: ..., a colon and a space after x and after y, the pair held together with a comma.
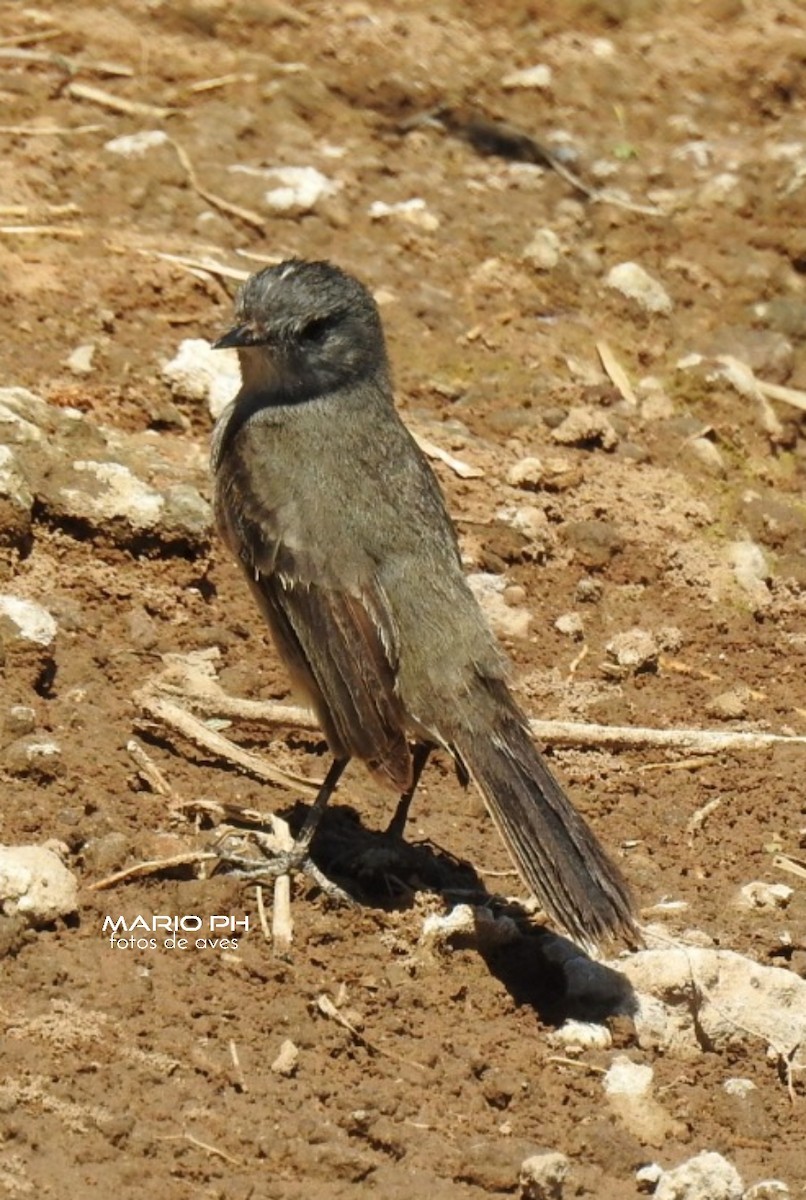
x: 462, y: 469
x: 175, y: 717
x: 133, y: 108
x: 234, y: 210
x: 616, y: 373
x: 152, y: 867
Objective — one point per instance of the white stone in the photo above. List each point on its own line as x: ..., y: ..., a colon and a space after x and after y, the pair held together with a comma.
x: 507, y: 620
x: 197, y: 372
x: 526, y: 473
x: 414, y: 212
x: 750, y: 569
x: 33, y: 622
x: 135, y: 145
x: 634, y: 650
x: 571, y: 624
x: 581, y: 1034
x: 707, y: 1176
x: 767, y: 1189
x: 538, y: 76
x: 765, y: 896
x: 123, y: 495
x: 35, y: 883
x: 544, y: 250
x: 709, y: 455
x: 738, y: 1000
x: 736, y: 1086
x: 287, y: 1059
x: 13, y: 483
x: 626, y: 1078
x: 648, y: 1176
x: 542, y: 1176
x: 299, y: 188
x: 585, y: 425
x: 637, y: 284
x: 79, y: 361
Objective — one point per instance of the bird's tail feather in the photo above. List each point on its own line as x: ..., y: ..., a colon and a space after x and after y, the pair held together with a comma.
x: 555, y: 851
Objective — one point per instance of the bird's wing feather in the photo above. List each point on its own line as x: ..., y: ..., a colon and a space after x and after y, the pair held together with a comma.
x: 339, y: 642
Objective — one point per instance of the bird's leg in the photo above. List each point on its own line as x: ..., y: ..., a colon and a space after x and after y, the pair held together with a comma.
x: 302, y: 842
x: 297, y: 859
x: 419, y: 757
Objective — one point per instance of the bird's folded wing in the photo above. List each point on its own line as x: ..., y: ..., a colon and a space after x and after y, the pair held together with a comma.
x: 346, y: 641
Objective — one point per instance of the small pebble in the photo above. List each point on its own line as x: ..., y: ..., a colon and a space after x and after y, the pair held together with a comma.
x: 287, y: 1059
x: 79, y: 361
x: 571, y: 625
x: 638, y: 285
x: 764, y: 896
x: 542, y: 1176
x: 527, y: 474
x: 633, y: 651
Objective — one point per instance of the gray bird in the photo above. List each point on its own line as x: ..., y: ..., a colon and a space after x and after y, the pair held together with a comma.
x: 341, y: 529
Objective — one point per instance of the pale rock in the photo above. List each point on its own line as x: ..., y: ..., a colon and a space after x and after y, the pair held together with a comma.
x: 526, y: 473
x: 538, y: 76
x: 638, y: 285
x: 581, y: 1035
x: 542, y: 1176
x: 19, y: 720
x: 709, y: 455
x: 707, y: 1176
x: 768, y: 1189
x: 79, y: 361
x: 34, y: 755
x: 633, y: 651
x: 764, y: 896
x: 135, y: 145
x: 287, y: 1059
x: 298, y: 190
x: 647, y: 1177
x: 737, y: 1086
x: 739, y: 1000
x: 750, y: 570
x: 35, y: 883
x: 544, y: 250
x: 26, y: 621
x: 720, y: 190
x: 730, y: 705
x: 626, y: 1078
x: 584, y: 426
x: 21, y: 415
x: 112, y: 490
x: 570, y: 624
x: 628, y: 1087
x: 413, y: 212
x: 197, y: 372
x: 507, y: 621
x: 16, y: 499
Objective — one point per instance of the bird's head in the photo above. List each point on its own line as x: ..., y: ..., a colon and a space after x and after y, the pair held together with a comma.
x: 306, y: 329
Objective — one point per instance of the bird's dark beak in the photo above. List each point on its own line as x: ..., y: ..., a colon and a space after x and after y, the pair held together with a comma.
x: 239, y: 335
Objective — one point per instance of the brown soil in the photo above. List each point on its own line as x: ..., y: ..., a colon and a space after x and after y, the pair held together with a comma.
x: 118, y: 1063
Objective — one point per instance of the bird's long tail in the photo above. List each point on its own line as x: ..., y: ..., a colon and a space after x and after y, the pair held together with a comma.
x: 555, y: 851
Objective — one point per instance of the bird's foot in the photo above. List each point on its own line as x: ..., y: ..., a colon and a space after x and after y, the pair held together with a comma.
x: 294, y: 861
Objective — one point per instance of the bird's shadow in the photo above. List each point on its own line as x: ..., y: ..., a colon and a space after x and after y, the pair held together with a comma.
x: 538, y: 968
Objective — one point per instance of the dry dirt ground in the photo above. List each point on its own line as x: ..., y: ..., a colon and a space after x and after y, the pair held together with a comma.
x: 677, y: 509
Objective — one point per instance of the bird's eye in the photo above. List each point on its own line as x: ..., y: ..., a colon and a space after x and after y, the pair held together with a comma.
x: 315, y: 330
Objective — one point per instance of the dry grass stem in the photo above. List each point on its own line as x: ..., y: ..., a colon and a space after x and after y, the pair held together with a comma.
x: 462, y: 469
x: 616, y: 374
x: 234, y: 210
x: 153, y: 867
x: 132, y: 108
